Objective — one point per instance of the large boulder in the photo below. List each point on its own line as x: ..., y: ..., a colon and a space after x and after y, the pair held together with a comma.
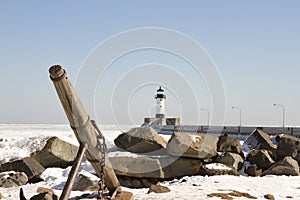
x: 56, y: 153
x: 166, y: 167
x: 140, y: 167
x: 214, y: 169
x: 192, y: 145
x: 260, y: 140
x: 28, y: 165
x: 288, y: 146
x: 260, y: 158
x: 12, y: 179
x: 287, y: 166
x: 228, y: 143
x: 174, y: 167
x: 141, y: 140
x: 230, y: 159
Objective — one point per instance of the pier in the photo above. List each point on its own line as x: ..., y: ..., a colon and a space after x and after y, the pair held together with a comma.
x: 234, y: 130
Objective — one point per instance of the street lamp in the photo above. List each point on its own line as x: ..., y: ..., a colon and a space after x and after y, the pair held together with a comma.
x: 283, y: 112
x: 240, y: 123
x: 205, y: 109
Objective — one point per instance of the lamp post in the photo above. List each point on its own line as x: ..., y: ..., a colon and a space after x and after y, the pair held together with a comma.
x: 205, y: 109
x: 283, y: 112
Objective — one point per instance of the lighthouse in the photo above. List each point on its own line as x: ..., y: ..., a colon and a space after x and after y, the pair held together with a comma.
x: 160, y: 103
x: 160, y: 116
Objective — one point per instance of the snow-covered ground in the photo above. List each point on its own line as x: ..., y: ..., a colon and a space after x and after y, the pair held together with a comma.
x: 17, y: 141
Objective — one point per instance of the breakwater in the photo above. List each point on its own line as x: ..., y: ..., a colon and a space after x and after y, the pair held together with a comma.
x: 234, y: 130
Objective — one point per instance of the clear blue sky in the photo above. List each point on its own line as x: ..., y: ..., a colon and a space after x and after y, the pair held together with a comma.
x: 255, y: 44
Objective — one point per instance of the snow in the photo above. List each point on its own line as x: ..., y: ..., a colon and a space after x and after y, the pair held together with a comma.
x: 194, y: 138
x: 17, y: 141
x: 217, y: 166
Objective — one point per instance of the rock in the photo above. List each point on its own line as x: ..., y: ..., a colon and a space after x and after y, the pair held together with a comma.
x: 260, y: 140
x: 141, y: 140
x: 124, y: 196
x: 228, y: 143
x: 192, y: 145
x: 86, y: 184
x: 158, y: 189
x: 44, y: 190
x: 217, y: 169
x: 260, y: 158
x: 132, y: 182
x: 56, y: 153
x: 232, y: 195
x: 252, y: 170
x: 174, y: 167
x: 230, y: 159
x: 28, y: 165
x: 1, y: 196
x: 136, y: 183
x: 12, y: 179
x: 44, y: 196
x: 162, y: 168
x: 141, y: 167
x: 287, y: 166
x: 288, y: 146
x: 269, y: 196
x: 148, y: 182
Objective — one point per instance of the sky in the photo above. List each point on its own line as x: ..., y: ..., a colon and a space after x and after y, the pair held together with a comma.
x: 254, y: 46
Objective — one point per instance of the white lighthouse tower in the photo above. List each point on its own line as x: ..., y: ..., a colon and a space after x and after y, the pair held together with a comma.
x: 160, y: 103
x: 160, y: 116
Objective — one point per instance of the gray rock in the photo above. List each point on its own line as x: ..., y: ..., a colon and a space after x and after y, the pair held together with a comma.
x: 56, y: 153
x: 141, y: 140
x: 228, y: 143
x: 252, y: 170
x: 86, y: 184
x: 160, y: 168
x: 141, y: 167
x: 260, y: 140
x: 260, y: 158
x: 230, y: 159
x: 192, y: 145
x: 158, y: 189
x: 12, y: 179
x: 287, y: 166
x: 174, y: 167
x: 214, y: 169
x: 288, y: 146
x: 28, y: 165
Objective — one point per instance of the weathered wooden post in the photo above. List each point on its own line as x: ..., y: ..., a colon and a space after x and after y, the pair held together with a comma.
x: 82, y: 126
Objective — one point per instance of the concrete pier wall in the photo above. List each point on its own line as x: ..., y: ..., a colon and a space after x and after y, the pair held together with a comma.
x: 235, y: 130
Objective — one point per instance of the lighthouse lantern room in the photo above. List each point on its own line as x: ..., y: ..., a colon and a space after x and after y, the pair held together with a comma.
x: 160, y: 103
